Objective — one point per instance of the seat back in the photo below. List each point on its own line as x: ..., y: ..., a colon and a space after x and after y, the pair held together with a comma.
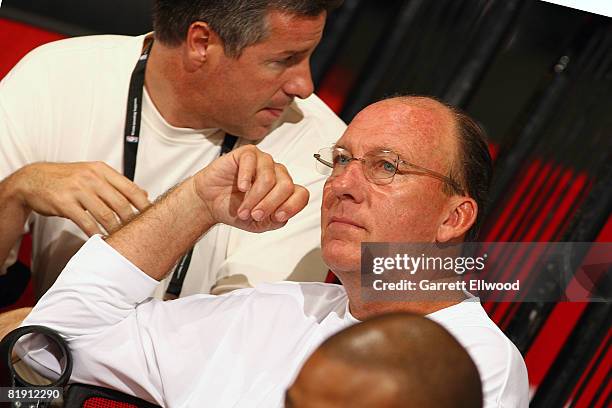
x: 89, y: 396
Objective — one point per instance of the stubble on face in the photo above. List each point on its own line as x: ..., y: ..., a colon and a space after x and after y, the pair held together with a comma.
x: 247, y: 95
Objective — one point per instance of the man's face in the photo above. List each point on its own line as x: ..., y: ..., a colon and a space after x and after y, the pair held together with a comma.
x: 325, y: 382
x: 412, y: 206
x: 246, y: 95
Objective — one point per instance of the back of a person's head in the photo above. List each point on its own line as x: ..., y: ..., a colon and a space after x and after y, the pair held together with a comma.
x: 394, y: 360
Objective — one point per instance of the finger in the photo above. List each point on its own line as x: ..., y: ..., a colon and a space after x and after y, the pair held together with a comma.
x: 134, y: 194
x: 117, y: 202
x: 265, y: 180
x: 293, y: 205
x: 83, y: 220
x: 282, y: 190
x: 99, y: 210
x: 246, y: 170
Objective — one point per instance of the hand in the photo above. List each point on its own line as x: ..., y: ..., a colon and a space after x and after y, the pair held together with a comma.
x: 247, y: 189
x: 10, y: 320
x: 87, y: 193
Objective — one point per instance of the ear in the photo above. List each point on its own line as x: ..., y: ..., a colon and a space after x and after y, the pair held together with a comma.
x: 198, y: 43
x: 461, y: 215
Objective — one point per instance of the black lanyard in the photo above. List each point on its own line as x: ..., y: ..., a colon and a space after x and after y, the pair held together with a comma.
x: 133, y: 117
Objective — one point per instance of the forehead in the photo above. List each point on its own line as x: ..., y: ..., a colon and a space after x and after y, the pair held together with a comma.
x: 288, y: 32
x: 421, y: 130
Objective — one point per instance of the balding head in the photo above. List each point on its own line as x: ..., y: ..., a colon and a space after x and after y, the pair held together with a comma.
x: 395, y: 360
x: 430, y: 198
x: 470, y: 165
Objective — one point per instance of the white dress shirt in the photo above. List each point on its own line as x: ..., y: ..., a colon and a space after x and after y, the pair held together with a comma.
x: 241, y: 349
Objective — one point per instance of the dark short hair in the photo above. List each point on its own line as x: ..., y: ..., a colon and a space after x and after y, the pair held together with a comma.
x: 239, y: 23
x: 473, y: 167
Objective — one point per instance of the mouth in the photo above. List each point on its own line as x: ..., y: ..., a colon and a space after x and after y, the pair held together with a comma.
x: 343, y: 221
x: 275, y: 112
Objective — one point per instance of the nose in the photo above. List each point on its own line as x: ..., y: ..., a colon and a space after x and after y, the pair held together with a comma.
x: 350, y: 184
x: 300, y: 81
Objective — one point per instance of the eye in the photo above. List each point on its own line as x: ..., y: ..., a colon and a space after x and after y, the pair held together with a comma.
x: 385, y: 167
x: 285, y: 62
x: 341, y: 159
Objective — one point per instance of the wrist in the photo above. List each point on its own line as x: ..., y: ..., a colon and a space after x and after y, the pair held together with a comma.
x: 199, y: 206
x: 13, y: 190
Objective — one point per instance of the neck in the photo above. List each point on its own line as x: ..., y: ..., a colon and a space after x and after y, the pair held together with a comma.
x: 421, y: 303
x: 165, y: 81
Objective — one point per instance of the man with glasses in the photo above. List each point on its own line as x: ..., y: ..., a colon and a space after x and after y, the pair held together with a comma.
x: 407, y: 169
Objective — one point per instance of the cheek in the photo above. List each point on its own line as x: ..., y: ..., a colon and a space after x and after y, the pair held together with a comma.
x: 327, y: 201
x: 407, y: 217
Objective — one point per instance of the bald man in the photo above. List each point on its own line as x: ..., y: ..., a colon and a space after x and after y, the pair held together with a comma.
x: 406, y: 170
x: 392, y: 360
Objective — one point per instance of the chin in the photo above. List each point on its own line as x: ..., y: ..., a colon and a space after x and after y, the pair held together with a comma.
x: 248, y: 129
x: 256, y: 133
x: 342, y: 256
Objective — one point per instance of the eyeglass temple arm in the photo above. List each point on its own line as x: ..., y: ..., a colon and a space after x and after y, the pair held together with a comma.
x: 437, y: 175
x: 325, y: 162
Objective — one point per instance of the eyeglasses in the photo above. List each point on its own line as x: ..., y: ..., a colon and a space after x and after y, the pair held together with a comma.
x: 380, y: 166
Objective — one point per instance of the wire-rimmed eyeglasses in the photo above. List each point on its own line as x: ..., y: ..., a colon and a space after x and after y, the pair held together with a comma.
x: 380, y: 166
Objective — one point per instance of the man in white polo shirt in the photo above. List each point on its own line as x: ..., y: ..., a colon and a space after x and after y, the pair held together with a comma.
x: 406, y: 170
x: 75, y: 162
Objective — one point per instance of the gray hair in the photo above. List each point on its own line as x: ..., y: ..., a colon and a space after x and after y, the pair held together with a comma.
x: 239, y: 23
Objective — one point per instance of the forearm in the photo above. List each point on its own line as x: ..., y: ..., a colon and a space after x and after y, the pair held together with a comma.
x: 12, y: 319
x: 157, y: 238
x: 13, y: 215
x: 93, y: 305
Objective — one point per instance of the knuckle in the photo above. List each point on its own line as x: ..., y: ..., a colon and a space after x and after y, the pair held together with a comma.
x: 302, y: 192
x: 267, y: 157
x: 65, y: 198
x: 89, y: 225
x: 267, y: 179
x: 134, y: 190
x: 87, y: 173
x: 99, y: 165
x: 122, y: 204
x: 248, y: 151
x: 108, y: 217
x: 75, y: 187
x: 281, y: 168
x: 285, y: 184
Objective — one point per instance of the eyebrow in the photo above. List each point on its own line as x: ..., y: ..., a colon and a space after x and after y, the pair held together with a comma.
x: 403, y: 157
x: 291, y: 52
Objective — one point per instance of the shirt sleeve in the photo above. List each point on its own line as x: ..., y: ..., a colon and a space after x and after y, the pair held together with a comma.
x: 24, y: 105
x: 97, y: 304
x: 199, y: 348
x: 14, y: 150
